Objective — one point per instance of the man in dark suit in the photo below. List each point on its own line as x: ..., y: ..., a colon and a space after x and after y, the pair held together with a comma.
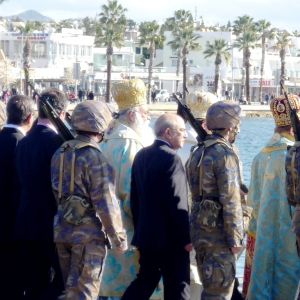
x: 20, y: 110
x: 159, y: 204
x: 36, y: 204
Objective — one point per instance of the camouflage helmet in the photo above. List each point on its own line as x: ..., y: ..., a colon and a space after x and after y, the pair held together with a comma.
x: 223, y: 114
x: 2, y: 114
x: 92, y: 116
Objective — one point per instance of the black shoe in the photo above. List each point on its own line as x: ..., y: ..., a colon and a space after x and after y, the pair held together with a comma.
x: 236, y: 293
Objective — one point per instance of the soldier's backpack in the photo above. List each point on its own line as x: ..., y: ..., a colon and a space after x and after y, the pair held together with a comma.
x: 75, y: 206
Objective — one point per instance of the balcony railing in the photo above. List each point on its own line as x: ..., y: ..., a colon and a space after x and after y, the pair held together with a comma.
x: 137, y: 69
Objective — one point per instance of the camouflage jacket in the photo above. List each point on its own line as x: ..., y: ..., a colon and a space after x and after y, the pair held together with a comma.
x: 95, y: 180
x: 292, y: 187
x: 221, y: 180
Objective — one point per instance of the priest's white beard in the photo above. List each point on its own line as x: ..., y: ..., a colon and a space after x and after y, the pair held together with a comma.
x: 143, y: 129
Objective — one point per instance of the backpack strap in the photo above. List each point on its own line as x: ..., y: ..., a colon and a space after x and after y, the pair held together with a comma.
x: 74, y: 145
x: 207, y: 144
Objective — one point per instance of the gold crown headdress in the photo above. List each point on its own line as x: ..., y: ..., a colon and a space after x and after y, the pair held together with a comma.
x: 129, y: 93
x: 199, y: 103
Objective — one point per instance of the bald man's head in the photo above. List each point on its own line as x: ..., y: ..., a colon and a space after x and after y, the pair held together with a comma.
x: 164, y: 122
x: 171, y: 128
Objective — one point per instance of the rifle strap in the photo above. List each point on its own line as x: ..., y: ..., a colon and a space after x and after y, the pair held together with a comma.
x: 61, y: 171
x: 72, y: 172
x: 293, y: 171
x: 189, y: 161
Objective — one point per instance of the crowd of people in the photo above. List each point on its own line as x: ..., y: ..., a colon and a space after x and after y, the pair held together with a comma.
x: 114, y: 214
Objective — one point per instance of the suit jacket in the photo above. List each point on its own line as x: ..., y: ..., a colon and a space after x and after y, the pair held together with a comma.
x: 35, y: 199
x: 9, y: 139
x: 159, y: 199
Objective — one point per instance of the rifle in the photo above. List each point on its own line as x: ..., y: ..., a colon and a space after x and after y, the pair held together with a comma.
x: 185, y: 112
x: 293, y: 114
x: 53, y: 116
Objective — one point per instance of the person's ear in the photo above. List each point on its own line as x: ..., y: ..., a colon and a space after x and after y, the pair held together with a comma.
x: 29, y: 119
x: 130, y: 116
x: 168, y: 133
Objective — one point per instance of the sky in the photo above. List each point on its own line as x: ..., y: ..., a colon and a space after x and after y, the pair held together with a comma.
x: 281, y: 13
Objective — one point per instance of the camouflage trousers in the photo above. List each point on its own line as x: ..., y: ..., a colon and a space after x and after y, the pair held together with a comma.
x: 82, y: 266
x: 217, y: 269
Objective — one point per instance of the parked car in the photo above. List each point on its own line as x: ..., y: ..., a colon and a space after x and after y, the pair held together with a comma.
x: 162, y: 95
x: 178, y: 94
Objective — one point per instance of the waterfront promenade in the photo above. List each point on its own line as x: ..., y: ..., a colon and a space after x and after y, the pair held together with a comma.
x: 157, y: 109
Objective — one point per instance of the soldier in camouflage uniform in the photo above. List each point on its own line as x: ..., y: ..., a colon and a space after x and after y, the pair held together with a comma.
x: 217, y: 227
x: 84, y: 186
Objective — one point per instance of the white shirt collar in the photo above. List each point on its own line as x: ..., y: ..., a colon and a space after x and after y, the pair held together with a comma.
x: 48, y: 125
x: 165, y: 142
x: 16, y: 127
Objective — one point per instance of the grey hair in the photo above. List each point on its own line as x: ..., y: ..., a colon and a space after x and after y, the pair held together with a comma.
x: 163, y: 123
x: 123, y: 114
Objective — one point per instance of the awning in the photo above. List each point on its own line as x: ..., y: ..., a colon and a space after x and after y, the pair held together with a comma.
x: 226, y: 81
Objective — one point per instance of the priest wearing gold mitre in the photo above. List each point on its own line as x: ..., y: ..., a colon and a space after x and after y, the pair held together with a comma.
x: 126, y: 135
x: 272, y: 262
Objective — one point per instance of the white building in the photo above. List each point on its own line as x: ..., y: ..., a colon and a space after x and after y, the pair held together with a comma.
x: 51, y: 53
x: 201, y: 71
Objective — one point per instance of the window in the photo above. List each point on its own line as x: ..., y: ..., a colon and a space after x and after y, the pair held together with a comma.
x: 137, y: 50
x: 18, y: 48
x: 54, y: 48
x: 62, y: 49
x: 191, y: 62
x: 38, y: 49
x: 89, y: 51
x: 83, y: 51
x: 119, y: 56
x: 145, y: 50
x: 174, y: 52
x: 207, y: 63
x: 5, y: 47
x: 76, y: 50
x: 174, y: 63
x: 69, y: 50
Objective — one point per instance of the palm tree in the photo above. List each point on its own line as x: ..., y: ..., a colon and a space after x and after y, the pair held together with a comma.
x: 241, y: 26
x: 110, y: 33
x: 265, y: 32
x: 283, y: 41
x: 218, y: 49
x: 245, y: 43
x: 187, y: 40
x: 150, y: 34
x: 63, y: 24
x: 181, y: 19
x: 296, y: 33
x: 27, y: 30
